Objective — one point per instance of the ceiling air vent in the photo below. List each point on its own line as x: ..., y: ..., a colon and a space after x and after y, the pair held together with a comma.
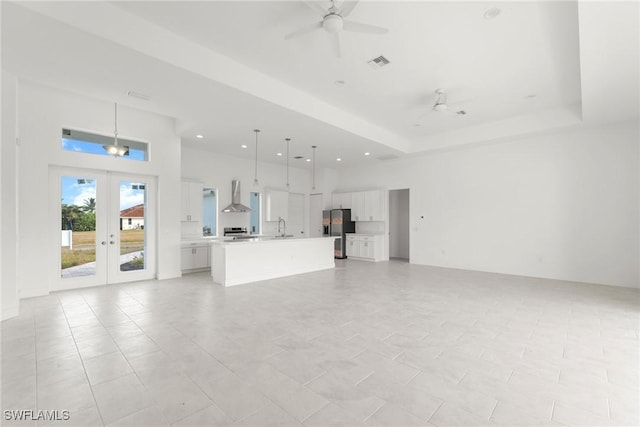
x: 299, y: 157
x: 388, y: 157
x: 378, y: 62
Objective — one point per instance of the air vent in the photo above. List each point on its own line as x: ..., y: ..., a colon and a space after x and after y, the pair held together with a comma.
x: 379, y: 62
x: 299, y: 157
x: 387, y: 157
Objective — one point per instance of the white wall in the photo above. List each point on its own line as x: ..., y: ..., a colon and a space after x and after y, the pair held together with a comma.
x: 563, y: 205
x: 43, y: 112
x: 8, y: 217
x: 217, y: 171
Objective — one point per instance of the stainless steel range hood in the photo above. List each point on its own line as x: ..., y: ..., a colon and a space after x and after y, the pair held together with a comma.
x: 235, y: 205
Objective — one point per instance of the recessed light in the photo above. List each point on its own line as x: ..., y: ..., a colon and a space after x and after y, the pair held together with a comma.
x: 243, y: 146
x: 338, y: 159
x: 491, y: 13
x: 367, y: 154
x: 199, y: 136
x: 308, y: 160
x: 278, y: 154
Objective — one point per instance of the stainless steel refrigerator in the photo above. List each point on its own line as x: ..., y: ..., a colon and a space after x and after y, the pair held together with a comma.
x: 337, y: 222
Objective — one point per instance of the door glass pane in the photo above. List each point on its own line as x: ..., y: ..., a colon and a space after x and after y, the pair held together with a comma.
x: 78, y: 227
x: 132, y: 225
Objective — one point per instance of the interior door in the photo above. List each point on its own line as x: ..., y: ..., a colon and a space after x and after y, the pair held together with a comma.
x: 315, y: 215
x: 103, y: 227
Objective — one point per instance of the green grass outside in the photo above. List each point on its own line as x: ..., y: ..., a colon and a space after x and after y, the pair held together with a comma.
x: 84, y: 246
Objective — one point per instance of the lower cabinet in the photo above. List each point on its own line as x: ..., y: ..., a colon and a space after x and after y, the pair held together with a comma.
x: 365, y: 247
x: 195, y: 257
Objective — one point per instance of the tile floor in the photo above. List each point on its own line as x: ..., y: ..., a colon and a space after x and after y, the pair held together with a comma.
x: 365, y: 344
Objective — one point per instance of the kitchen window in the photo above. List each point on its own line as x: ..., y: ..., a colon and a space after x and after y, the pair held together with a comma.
x: 209, y: 212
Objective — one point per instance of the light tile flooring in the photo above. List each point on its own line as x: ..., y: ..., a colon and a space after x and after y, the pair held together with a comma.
x: 364, y: 344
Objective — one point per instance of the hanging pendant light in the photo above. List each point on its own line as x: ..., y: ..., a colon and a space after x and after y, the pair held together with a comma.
x: 313, y: 170
x: 115, y: 149
x: 288, y: 141
x: 255, y: 180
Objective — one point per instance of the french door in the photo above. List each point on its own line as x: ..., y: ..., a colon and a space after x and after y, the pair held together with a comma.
x: 103, y: 227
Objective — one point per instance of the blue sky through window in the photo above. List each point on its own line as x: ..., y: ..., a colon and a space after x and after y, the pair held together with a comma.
x: 75, y: 190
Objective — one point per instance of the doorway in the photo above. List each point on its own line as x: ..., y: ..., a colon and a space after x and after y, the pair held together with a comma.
x: 104, y: 225
x: 315, y: 215
x: 399, y: 224
x: 295, y: 222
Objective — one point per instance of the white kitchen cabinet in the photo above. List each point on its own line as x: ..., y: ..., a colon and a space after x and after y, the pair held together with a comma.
x: 368, y: 205
x: 276, y: 204
x: 341, y: 201
x: 374, y: 202
x: 195, y: 256
x: 365, y: 247
x: 358, y: 208
x: 191, y: 201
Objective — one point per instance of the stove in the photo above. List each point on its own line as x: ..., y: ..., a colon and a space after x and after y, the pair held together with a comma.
x: 235, y: 231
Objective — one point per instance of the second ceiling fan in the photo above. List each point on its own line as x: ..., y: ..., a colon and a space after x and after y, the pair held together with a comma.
x: 334, y: 23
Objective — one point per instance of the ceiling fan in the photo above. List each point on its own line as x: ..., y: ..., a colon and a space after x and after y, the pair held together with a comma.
x: 441, y: 106
x: 334, y: 23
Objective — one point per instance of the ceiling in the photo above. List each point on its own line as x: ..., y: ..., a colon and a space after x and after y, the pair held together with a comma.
x: 223, y: 68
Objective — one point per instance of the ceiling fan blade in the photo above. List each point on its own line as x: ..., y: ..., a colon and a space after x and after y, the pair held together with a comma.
x: 304, y: 30
x: 348, y: 7
x: 315, y: 6
x: 336, y: 45
x: 357, y: 27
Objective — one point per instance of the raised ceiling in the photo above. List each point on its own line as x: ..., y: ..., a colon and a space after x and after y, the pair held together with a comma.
x: 223, y: 68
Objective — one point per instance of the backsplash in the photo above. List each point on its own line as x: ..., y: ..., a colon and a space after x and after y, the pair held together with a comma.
x: 370, y: 227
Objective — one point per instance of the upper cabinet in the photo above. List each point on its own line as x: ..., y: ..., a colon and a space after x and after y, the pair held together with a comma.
x: 358, y: 209
x: 191, y: 201
x: 374, y: 204
x: 341, y: 201
x: 367, y: 205
x: 276, y: 204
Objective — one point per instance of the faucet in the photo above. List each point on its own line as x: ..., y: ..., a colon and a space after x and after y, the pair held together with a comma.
x: 284, y: 226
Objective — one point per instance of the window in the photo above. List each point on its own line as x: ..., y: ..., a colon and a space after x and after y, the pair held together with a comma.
x: 91, y: 143
x: 209, y: 211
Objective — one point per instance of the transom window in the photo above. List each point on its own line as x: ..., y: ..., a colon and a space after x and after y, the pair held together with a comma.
x: 91, y: 143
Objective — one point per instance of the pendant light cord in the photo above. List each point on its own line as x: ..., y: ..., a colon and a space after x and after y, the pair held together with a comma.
x: 115, y: 133
x: 313, y: 173
x: 288, y: 140
x: 255, y: 181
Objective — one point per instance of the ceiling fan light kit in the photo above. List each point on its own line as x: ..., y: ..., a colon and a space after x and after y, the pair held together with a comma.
x: 334, y: 23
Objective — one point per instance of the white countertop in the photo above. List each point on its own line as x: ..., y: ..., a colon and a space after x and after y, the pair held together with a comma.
x: 267, y: 240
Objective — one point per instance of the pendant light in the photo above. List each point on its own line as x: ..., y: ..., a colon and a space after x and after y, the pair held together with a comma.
x: 288, y: 141
x: 313, y: 170
x: 255, y: 180
x: 115, y: 149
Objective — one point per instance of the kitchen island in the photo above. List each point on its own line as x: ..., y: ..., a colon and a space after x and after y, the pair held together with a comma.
x: 245, y: 261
